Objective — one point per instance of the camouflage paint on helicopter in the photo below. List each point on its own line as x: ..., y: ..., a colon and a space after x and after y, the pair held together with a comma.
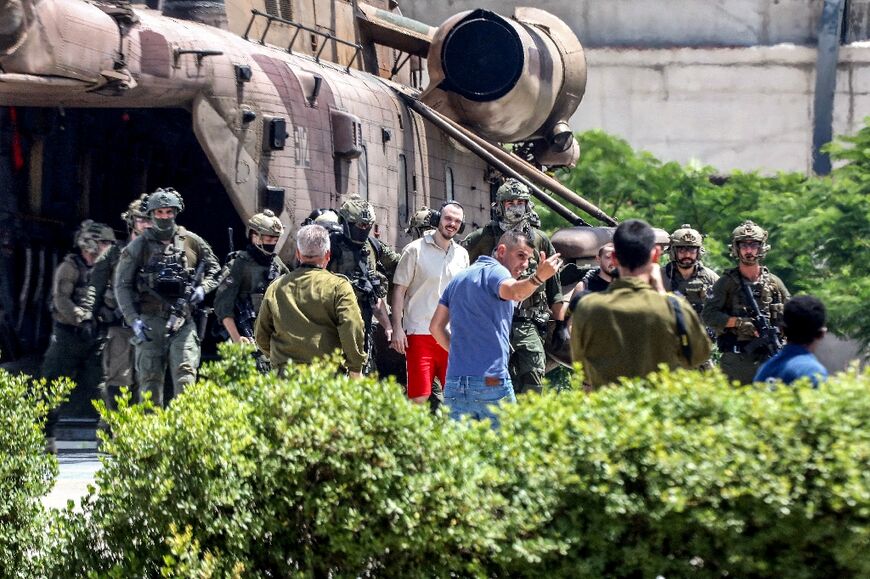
x: 291, y: 131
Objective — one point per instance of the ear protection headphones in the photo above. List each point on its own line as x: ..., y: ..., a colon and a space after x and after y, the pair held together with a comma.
x: 435, y: 218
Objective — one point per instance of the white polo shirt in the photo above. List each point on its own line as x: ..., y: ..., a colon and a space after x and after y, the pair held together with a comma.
x: 426, y: 269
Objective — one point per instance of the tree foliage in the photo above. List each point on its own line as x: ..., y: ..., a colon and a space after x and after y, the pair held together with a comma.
x: 819, y: 226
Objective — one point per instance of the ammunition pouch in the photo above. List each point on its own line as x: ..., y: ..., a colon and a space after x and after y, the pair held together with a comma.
x: 536, y: 314
x: 172, y: 281
x: 365, y: 289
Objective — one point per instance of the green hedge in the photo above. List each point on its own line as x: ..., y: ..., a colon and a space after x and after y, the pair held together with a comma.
x: 26, y: 472
x: 319, y: 476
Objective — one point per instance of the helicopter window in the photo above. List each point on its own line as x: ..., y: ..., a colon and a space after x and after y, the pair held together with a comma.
x: 404, y: 201
x: 363, y: 173
x: 448, y: 184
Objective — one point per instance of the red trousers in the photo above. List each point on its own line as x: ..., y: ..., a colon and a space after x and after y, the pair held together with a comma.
x: 426, y: 360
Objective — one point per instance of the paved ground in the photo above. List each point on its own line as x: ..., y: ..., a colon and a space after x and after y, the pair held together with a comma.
x: 77, y: 469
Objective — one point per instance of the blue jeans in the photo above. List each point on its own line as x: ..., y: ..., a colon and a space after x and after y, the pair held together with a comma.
x: 475, y: 396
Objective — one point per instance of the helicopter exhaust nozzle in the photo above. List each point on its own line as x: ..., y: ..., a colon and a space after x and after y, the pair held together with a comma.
x: 211, y: 12
x: 509, y: 79
x: 482, y: 57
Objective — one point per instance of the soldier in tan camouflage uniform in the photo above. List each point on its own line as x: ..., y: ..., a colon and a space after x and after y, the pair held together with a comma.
x: 118, y: 355
x: 74, y: 349
x: 528, y: 360
x: 685, y: 275
x: 729, y: 313
x: 310, y: 312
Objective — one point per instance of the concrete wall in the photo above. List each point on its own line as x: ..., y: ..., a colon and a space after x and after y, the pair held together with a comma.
x: 661, y: 77
x: 657, y: 23
x: 742, y: 108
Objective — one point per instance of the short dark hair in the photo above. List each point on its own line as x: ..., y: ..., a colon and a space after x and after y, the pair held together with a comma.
x: 514, y: 237
x: 633, y: 241
x: 803, y: 319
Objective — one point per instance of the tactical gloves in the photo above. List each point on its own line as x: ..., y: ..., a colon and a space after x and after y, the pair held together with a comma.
x: 561, y: 335
x: 745, y: 329
x: 197, y: 296
x: 139, y: 331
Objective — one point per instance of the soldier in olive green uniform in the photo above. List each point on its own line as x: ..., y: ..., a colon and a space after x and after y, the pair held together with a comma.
x: 74, y: 349
x: 632, y: 327
x: 246, y: 276
x: 685, y: 275
x: 728, y: 312
x: 310, y: 312
x: 160, y: 279
x: 528, y: 360
x: 367, y: 263
x: 118, y: 354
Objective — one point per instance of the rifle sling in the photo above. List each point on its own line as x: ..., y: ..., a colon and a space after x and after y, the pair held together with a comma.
x: 682, y: 333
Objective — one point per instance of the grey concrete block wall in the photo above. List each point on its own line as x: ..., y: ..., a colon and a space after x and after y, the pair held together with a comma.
x: 740, y: 108
x: 658, y: 23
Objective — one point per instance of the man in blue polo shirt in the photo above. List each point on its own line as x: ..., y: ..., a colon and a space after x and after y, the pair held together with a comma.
x: 803, y: 320
x: 478, y: 304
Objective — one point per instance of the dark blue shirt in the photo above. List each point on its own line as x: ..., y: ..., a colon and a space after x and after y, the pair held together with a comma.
x: 480, y: 321
x: 791, y: 363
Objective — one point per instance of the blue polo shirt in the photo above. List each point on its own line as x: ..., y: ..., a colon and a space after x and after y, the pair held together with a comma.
x: 480, y: 321
x: 791, y: 363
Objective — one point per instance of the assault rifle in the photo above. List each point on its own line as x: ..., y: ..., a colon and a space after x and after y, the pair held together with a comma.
x: 245, y: 316
x: 181, y: 307
x: 767, y: 343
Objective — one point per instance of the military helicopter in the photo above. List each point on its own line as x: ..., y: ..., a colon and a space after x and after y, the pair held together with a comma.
x: 250, y: 104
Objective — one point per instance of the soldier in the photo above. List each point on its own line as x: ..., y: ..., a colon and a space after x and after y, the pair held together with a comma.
x: 367, y: 263
x: 161, y: 277
x: 634, y: 326
x: 74, y: 349
x: 420, y: 222
x: 729, y: 310
x: 685, y: 275
x: 118, y: 358
x: 310, y: 312
x: 528, y: 360
x: 246, y: 276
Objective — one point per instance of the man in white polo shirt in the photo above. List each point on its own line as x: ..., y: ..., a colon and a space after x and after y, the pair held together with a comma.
x: 426, y: 267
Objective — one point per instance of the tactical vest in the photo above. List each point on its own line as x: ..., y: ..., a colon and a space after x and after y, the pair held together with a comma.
x: 767, y: 294
x: 359, y: 263
x: 268, y: 274
x: 696, y: 289
x: 80, y: 295
x: 168, y: 269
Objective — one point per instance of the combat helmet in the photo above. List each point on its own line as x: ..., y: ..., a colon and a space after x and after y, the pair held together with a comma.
x: 90, y: 234
x: 328, y: 219
x: 167, y: 197
x: 136, y: 209
x: 266, y: 223
x: 685, y: 236
x: 420, y: 222
x: 749, y: 231
x: 357, y: 217
x: 512, y: 190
